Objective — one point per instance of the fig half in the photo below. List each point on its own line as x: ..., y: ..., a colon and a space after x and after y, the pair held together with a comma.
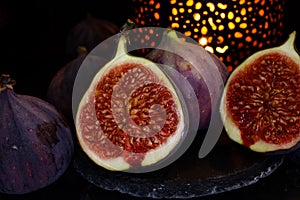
x: 260, y: 106
x: 132, y: 116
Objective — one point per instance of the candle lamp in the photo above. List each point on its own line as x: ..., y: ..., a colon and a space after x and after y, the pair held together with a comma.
x: 231, y: 29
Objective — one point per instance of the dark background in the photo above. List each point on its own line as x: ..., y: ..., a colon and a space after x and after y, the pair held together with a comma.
x: 32, y: 48
x: 33, y: 35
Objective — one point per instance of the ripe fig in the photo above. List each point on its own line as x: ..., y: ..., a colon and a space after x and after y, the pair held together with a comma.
x: 89, y: 32
x: 132, y: 117
x: 36, y: 145
x: 204, y: 71
x: 60, y: 89
x: 260, y: 106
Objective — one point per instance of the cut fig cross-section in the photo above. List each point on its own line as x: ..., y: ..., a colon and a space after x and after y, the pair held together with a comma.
x: 260, y: 106
x: 131, y: 116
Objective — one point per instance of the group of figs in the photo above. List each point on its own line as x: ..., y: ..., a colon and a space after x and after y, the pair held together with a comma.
x: 36, y: 136
x: 139, y: 113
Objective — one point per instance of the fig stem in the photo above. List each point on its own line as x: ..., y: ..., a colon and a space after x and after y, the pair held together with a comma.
x: 172, y: 34
x: 129, y: 24
x: 122, y: 48
x: 291, y: 40
x: 81, y: 50
x: 6, y: 82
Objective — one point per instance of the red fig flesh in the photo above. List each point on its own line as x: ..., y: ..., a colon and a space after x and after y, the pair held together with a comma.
x: 132, y: 116
x: 261, y: 101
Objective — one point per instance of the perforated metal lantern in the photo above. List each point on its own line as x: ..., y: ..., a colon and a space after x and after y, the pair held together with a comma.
x: 231, y: 29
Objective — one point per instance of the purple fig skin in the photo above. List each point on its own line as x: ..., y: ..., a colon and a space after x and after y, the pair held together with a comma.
x: 36, y: 144
x: 89, y: 33
x: 190, y: 64
x: 60, y: 89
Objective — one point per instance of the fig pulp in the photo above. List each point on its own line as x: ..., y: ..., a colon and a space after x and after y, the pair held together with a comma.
x: 260, y: 106
x: 203, y: 70
x: 132, y: 117
x: 36, y: 145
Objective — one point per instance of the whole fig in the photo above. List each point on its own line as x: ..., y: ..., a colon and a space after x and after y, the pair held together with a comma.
x: 60, y: 89
x: 204, y: 71
x: 36, y: 145
x: 89, y: 32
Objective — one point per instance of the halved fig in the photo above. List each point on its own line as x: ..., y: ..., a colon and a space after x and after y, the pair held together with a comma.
x: 260, y: 106
x: 132, y: 115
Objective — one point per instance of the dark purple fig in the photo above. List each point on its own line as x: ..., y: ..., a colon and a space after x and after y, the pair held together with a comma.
x: 89, y: 33
x: 36, y: 144
x: 60, y: 90
x: 61, y: 86
x: 203, y: 70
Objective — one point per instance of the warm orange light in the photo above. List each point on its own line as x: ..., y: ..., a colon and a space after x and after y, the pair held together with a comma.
x: 204, y: 30
x: 221, y: 50
x: 254, y: 30
x: 172, y: 1
x: 221, y: 27
x: 203, y: 41
x: 157, y: 6
x: 188, y: 33
x: 238, y: 35
x: 248, y: 39
x: 220, y: 39
x: 175, y: 25
x: 196, y: 16
x: 223, y: 15
x: 243, y: 25
x: 210, y: 49
x: 231, y: 25
x: 198, y: 6
x: 211, y: 6
x: 243, y: 11
x: 237, y: 19
x: 230, y: 15
x: 174, y: 11
x: 261, y: 12
x: 242, y: 2
x: 222, y: 6
x: 212, y: 24
x: 151, y: 2
x: 266, y: 25
x: 189, y: 2
x: 156, y: 15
